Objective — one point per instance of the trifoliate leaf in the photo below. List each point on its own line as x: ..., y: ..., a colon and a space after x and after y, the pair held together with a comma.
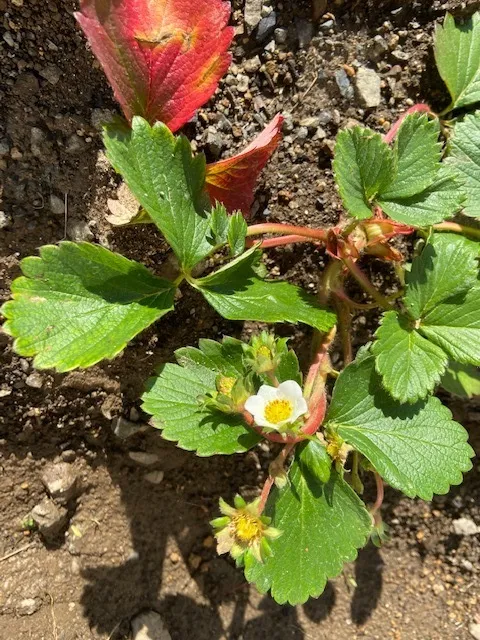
x: 417, y: 449
x: 441, y: 200
x: 363, y: 166
x: 167, y: 181
x: 237, y: 232
x: 174, y: 399
x: 446, y: 267
x: 418, y: 154
x: 464, y: 157
x: 457, y: 53
x: 225, y: 357
x: 80, y: 303
x: 412, y: 351
x: 237, y: 293
x: 462, y: 380
x: 410, y: 365
x: 322, y: 527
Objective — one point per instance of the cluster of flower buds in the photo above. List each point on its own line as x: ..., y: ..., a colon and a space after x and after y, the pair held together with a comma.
x: 264, y: 352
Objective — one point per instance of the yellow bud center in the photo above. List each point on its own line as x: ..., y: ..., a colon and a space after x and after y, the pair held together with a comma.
x: 278, y: 410
x: 247, y: 527
x: 264, y: 351
x: 226, y: 384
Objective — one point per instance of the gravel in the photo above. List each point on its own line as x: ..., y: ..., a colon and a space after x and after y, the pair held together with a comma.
x: 368, y: 86
x: 149, y: 626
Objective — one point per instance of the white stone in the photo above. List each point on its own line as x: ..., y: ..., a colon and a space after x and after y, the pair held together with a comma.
x: 465, y: 527
x: 252, y: 13
x: 149, y: 626
x: 367, y: 83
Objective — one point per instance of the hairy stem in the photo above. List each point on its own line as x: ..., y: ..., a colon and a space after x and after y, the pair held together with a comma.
x: 270, y: 243
x: 455, y: 227
x: 380, y: 494
x: 344, y: 324
x: 276, y: 467
x: 390, y: 135
x: 267, y: 487
x: 286, y: 229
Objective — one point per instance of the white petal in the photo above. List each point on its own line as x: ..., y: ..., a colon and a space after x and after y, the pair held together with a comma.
x: 267, y: 392
x: 256, y: 406
x: 290, y: 390
x: 261, y: 421
x: 299, y: 409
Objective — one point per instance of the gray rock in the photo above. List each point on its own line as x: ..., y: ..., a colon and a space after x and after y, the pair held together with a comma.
x: 243, y: 82
x: 280, y: 35
x: 304, y: 32
x: 474, y: 630
x: 252, y: 65
x: 377, y: 48
x: 49, y: 518
x: 465, y: 527
x: 266, y: 27
x: 302, y: 133
x: 154, y: 477
x: 367, y: 83
x: 398, y: 54
x: 252, y: 13
x: 57, y: 205
x: 28, y: 606
x: 4, y: 220
x: 149, y: 626
x: 60, y: 480
x: 124, y: 429
x: 325, y: 117
x: 311, y: 122
x: 143, y: 458
x: 100, y: 117
x: 214, y: 141
x: 51, y: 73
x: 34, y: 380
x: 327, y: 25
x: 343, y: 84
x: 75, y: 144
x: 4, y: 148
x: 7, y: 36
x: 79, y: 231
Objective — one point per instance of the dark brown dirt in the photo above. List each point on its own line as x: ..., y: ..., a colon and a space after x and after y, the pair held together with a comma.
x: 130, y: 544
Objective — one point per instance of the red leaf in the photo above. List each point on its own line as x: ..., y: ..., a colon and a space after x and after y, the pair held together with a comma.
x: 163, y: 58
x: 232, y: 181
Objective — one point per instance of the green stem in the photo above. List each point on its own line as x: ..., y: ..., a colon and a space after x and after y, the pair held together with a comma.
x: 365, y: 283
x: 455, y: 227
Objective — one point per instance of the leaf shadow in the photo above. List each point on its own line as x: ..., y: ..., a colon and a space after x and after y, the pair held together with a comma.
x: 369, y: 579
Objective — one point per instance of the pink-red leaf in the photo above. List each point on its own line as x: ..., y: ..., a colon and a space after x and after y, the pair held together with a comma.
x: 163, y: 58
x: 232, y: 181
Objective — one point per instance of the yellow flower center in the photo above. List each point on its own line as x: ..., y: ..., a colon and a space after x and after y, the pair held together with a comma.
x: 264, y: 351
x: 278, y: 410
x: 226, y: 384
x: 247, y: 527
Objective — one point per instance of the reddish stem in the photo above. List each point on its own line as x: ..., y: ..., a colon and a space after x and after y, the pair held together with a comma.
x: 422, y: 107
x: 287, y: 229
x: 380, y: 494
x: 265, y: 493
x: 270, y: 243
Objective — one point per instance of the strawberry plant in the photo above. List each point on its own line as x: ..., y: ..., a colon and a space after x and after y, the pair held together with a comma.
x: 79, y: 303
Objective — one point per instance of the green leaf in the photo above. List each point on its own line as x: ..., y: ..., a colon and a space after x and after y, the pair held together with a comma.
x: 446, y: 267
x: 80, y: 303
x: 457, y: 53
x: 409, y: 364
x: 418, y: 153
x: 441, y: 200
x: 323, y: 525
x: 417, y: 449
x: 225, y: 357
x: 219, y: 222
x: 464, y: 157
x: 237, y: 232
x: 455, y: 326
x: 237, y: 293
x: 288, y: 368
x: 364, y: 166
x: 462, y: 380
x: 315, y: 462
x: 167, y: 181
x: 173, y: 399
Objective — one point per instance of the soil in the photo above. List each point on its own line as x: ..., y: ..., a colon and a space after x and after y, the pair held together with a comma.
x: 130, y: 544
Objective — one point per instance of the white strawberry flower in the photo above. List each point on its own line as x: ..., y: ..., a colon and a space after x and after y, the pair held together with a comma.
x: 275, y: 407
